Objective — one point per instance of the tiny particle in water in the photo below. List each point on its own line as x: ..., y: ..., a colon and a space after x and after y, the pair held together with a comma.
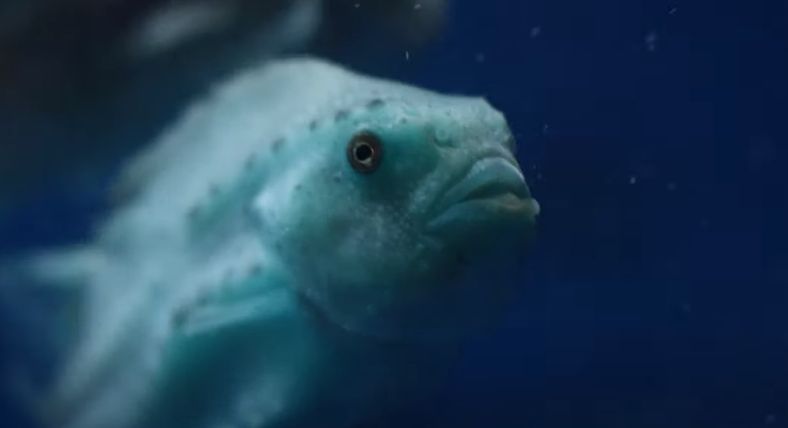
x: 633, y: 180
x: 357, y: 5
x: 407, y: 55
x: 480, y: 57
x: 417, y: 6
x: 545, y: 128
x: 651, y: 41
x: 536, y: 32
x: 770, y: 419
x: 672, y: 186
x: 673, y: 11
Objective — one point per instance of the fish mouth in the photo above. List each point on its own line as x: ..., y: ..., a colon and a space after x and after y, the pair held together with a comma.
x: 492, y: 190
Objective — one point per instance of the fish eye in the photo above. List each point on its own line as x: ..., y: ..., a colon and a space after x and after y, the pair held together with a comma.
x: 365, y: 152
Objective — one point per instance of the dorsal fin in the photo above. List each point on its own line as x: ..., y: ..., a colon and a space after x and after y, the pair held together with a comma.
x: 249, y: 110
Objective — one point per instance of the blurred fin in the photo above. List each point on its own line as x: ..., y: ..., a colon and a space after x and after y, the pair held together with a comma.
x: 71, y: 267
x: 289, y: 30
x: 41, y: 299
x: 44, y: 292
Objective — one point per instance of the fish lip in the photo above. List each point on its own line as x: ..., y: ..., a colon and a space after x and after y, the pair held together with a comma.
x: 493, y: 174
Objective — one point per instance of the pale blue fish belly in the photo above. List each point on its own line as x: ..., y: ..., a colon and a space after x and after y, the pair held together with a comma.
x: 304, y: 241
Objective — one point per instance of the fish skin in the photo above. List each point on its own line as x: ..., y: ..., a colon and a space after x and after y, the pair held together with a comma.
x: 252, y: 278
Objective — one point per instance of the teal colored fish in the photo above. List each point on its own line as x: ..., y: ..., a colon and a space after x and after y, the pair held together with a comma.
x: 304, y: 246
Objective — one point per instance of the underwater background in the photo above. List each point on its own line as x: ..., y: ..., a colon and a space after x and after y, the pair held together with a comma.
x: 653, y: 134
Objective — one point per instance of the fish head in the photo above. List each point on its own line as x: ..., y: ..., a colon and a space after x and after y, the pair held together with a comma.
x: 403, y: 217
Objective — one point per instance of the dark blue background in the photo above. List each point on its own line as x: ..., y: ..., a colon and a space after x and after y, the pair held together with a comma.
x: 654, y: 135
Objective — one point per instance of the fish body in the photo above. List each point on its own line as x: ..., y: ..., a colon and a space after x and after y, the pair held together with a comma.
x: 304, y: 244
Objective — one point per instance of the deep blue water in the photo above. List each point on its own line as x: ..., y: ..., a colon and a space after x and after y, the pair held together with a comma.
x: 654, y: 135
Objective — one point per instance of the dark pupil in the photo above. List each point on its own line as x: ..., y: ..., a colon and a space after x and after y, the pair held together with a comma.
x: 363, y: 152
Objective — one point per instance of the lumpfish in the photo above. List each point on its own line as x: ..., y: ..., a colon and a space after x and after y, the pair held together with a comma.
x: 304, y: 246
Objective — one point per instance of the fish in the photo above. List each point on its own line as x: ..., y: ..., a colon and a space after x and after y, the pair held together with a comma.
x: 304, y: 246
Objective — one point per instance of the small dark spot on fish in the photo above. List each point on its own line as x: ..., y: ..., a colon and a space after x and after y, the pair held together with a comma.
x: 193, y: 212
x: 375, y: 103
x: 341, y: 115
x: 250, y: 161
x: 201, y: 300
x: 313, y: 125
x: 179, y: 317
x: 277, y: 144
x: 298, y: 186
x: 256, y: 269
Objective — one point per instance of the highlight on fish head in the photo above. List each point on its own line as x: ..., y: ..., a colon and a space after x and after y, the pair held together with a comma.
x: 402, y: 216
